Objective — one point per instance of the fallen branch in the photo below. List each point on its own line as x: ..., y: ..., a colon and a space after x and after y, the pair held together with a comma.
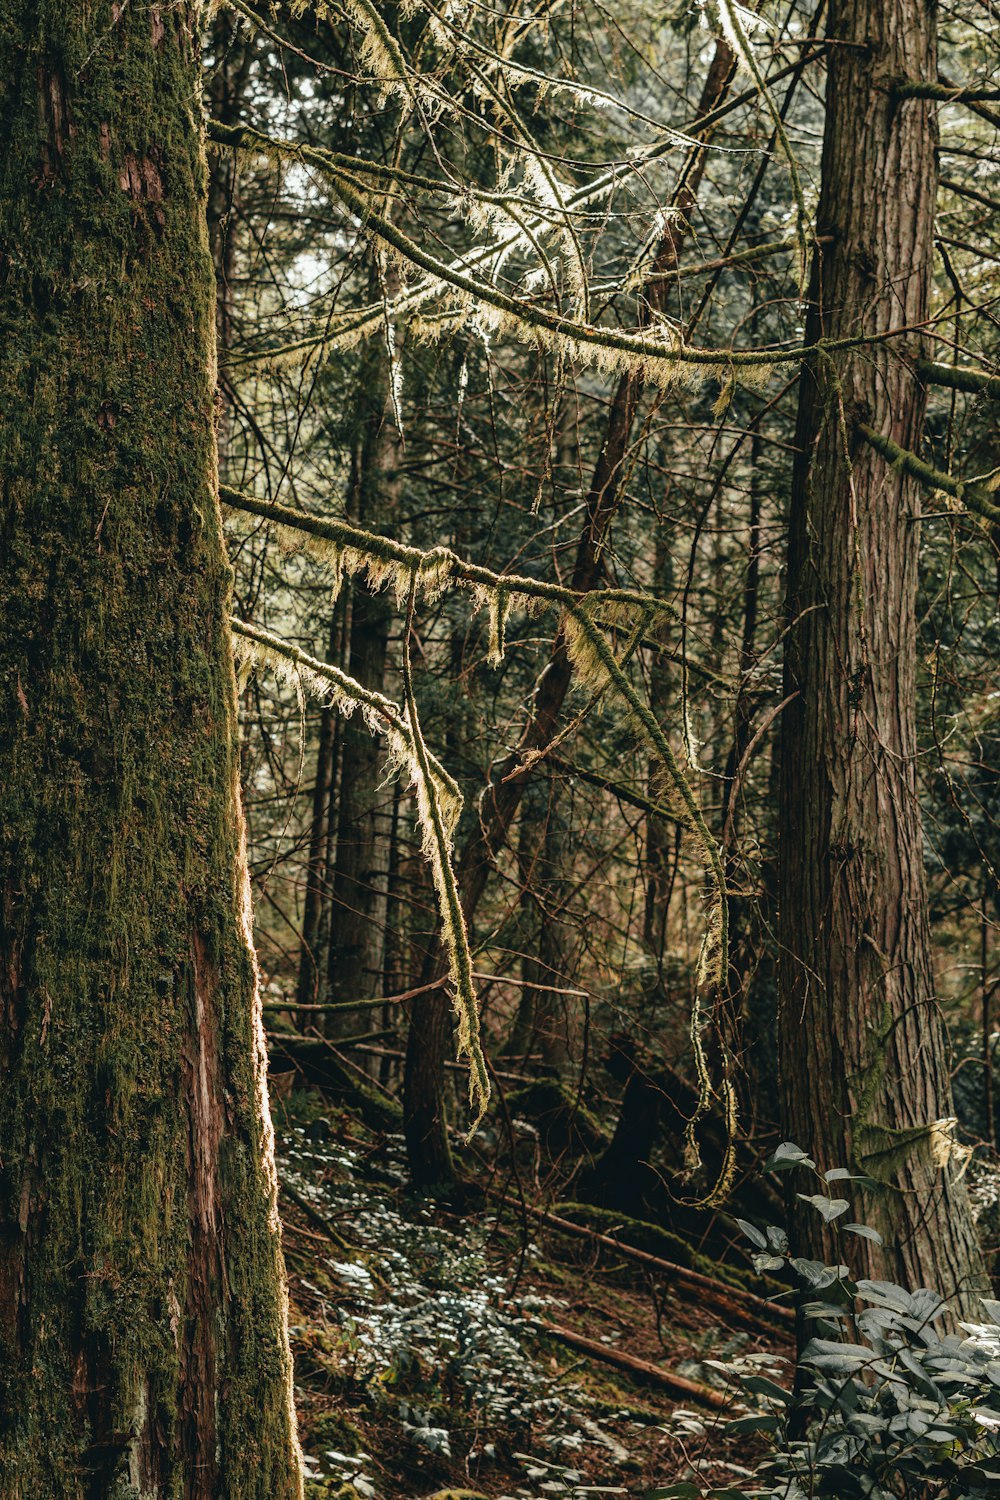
x: 321, y: 1064
x: 312, y: 1214
x: 639, y: 1369
x: 719, y: 1292
x: 342, y: 1042
x: 396, y: 1054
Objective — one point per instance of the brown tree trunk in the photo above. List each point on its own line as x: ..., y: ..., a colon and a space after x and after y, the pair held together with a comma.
x: 143, y: 1347
x: 232, y: 52
x: 357, y: 920
x: 660, y: 854
x: 544, y: 1021
x: 311, y: 968
x: 866, y: 1080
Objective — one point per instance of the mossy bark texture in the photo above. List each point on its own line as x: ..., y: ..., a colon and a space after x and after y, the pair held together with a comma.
x: 866, y: 1081
x: 143, y: 1344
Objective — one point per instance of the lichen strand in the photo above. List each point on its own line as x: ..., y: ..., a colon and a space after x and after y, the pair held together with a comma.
x: 143, y: 1348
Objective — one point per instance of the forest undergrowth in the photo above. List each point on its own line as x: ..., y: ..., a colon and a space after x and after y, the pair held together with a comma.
x: 423, y: 1368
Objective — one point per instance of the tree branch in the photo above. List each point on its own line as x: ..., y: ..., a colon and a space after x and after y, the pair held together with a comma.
x: 973, y: 496
x: 958, y: 378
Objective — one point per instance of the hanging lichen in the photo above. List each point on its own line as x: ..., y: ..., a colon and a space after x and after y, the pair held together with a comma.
x: 438, y: 798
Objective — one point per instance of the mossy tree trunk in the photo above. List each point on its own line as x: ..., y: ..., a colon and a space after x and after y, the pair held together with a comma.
x: 866, y: 1081
x: 143, y: 1345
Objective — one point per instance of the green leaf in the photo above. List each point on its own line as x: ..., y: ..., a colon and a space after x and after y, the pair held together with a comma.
x: 788, y: 1155
x: 817, y: 1274
x: 886, y: 1294
x: 830, y: 1208
x: 759, y: 1385
x: 764, y: 1422
x: 837, y: 1357
x: 753, y: 1233
x: 866, y: 1232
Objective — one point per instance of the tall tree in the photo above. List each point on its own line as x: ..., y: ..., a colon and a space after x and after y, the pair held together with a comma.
x: 357, y: 936
x: 143, y: 1345
x: 866, y: 1081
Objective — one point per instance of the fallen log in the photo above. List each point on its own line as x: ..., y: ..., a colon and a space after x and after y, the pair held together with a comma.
x: 321, y: 1064
x: 639, y: 1369
x: 396, y: 1054
x: 313, y: 1214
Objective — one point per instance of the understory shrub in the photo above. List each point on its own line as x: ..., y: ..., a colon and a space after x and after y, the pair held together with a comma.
x: 885, y: 1404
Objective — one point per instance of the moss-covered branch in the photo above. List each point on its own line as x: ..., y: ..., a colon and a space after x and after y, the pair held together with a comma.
x: 947, y: 93
x: 659, y: 359
x: 359, y: 548
x: 248, y: 140
x: 959, y: 378
x: 439, y: 804
x: 438, y: 835
x: 972, y: 496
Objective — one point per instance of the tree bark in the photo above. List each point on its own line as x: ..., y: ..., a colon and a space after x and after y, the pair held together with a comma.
x: 544, y: 1019
x: 866, y: 1081
x: 143, y: 1343
x: 357, y: 924
x: 311, y: 967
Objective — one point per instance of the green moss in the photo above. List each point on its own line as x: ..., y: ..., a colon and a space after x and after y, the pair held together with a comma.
x: 141, y: 1291
x: 655, y: 1240
x: 635, y: 1232
x: 335, y: 1430
x: 321, y: 1066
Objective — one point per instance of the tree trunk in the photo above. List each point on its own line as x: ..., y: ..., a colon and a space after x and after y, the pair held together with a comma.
x: 232, y: 55
x: 357, y: 928
x: 143, y: 1344
x: 660, y: 861
x: 544, y: 1020
x: 311, y: 969
x: 866, y: 1081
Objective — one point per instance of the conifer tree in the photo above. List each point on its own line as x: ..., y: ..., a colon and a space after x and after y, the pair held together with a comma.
x: 143, y: 1344
x: 866, y: 1082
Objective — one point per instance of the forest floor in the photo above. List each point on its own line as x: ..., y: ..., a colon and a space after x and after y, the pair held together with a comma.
x: 422, y: 1364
